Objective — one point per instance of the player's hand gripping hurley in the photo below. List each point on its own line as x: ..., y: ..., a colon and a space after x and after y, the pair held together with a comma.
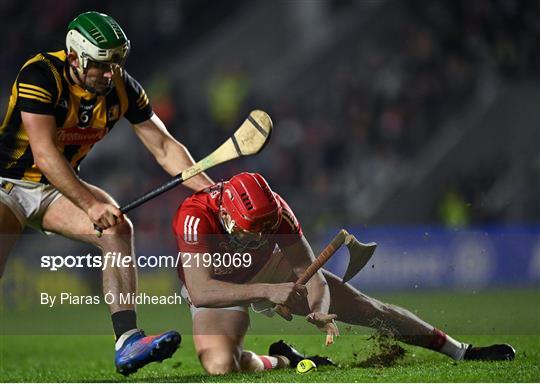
x: 248, y: 140
x: 359, y: 255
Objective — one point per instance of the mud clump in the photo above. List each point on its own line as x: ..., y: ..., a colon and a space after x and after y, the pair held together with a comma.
x: 387, y: 351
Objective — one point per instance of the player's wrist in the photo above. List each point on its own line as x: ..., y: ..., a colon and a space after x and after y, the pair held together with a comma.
x: 262, y: 291
x: 319, y: 308
x: 88, y: 204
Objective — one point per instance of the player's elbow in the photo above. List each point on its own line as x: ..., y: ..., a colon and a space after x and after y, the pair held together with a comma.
x: 166, y: 148
x: 41, y: 160
x: 204, y: 291
x: 197, y: 301
x: 160, y: 154
x: 199, y: 298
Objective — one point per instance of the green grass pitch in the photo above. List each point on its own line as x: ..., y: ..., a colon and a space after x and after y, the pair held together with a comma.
x: 511, y: 316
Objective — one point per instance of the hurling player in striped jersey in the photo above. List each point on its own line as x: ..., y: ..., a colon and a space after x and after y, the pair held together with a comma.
x: 62, y: 104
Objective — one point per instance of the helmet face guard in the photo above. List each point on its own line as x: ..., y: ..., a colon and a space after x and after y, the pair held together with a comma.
x: 241, y: 238
x: 98, y: 41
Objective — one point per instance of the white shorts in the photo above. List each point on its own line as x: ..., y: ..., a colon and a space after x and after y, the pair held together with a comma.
x: 276, y: 270
x: 27, y: 200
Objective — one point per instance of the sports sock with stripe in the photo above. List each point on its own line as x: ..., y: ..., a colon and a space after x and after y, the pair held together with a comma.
x: 445, y: 344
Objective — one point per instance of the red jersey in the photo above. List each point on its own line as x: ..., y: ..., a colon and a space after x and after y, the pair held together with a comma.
x: 198, y: 229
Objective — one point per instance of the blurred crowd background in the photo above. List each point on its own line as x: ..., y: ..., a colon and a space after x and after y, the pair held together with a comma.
x: 362, y: 93
x: 385, y: 112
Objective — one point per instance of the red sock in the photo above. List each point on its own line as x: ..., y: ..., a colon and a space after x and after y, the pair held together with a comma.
x: 438, y: 340
x: 269, y: 362
x: 251, y: 362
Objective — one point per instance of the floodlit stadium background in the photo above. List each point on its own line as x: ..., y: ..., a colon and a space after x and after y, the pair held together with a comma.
x: 413, y: 124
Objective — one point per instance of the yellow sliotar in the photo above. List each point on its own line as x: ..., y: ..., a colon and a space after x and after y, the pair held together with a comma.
x: 305, y: 366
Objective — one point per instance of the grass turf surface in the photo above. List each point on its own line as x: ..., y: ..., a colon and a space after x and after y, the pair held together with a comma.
x: 504, y: 316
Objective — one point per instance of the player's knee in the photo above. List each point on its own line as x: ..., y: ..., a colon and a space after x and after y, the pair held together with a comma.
x: 251, y: 362
x: 371, y: 308
x: 220, y: 366
x: 123, y: 229
x: 117, y: 235
x: 219, y: 363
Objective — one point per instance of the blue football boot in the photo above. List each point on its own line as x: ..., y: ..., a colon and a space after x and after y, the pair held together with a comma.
x: 137, y: 349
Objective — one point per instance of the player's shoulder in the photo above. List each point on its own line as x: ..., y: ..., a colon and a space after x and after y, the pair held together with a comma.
x: 56, y: 58
x: 280, y: 199
x: 40, y: 82
x: 207, y: 198
x: 125, y: 75
x: 285, y: 208
x: 289, y: 221
x: 48, y: 63
x: 136, y: 96
x: 199, y: 210
x: 128, y: 80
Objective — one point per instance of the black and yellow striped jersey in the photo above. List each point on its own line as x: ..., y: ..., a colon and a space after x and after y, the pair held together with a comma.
x: 43, y: 86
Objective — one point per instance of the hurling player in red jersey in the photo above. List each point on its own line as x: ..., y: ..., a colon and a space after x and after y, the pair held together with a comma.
x: 243, y: 216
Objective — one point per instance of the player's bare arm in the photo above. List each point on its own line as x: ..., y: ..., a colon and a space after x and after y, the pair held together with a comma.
x: 172, y: 155
x: 41, y: 130
x: 206, y: 291
x: 55, y: 116
x: 300, y: 255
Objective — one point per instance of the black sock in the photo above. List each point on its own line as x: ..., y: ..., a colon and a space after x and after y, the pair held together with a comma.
x: 123, y: 321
